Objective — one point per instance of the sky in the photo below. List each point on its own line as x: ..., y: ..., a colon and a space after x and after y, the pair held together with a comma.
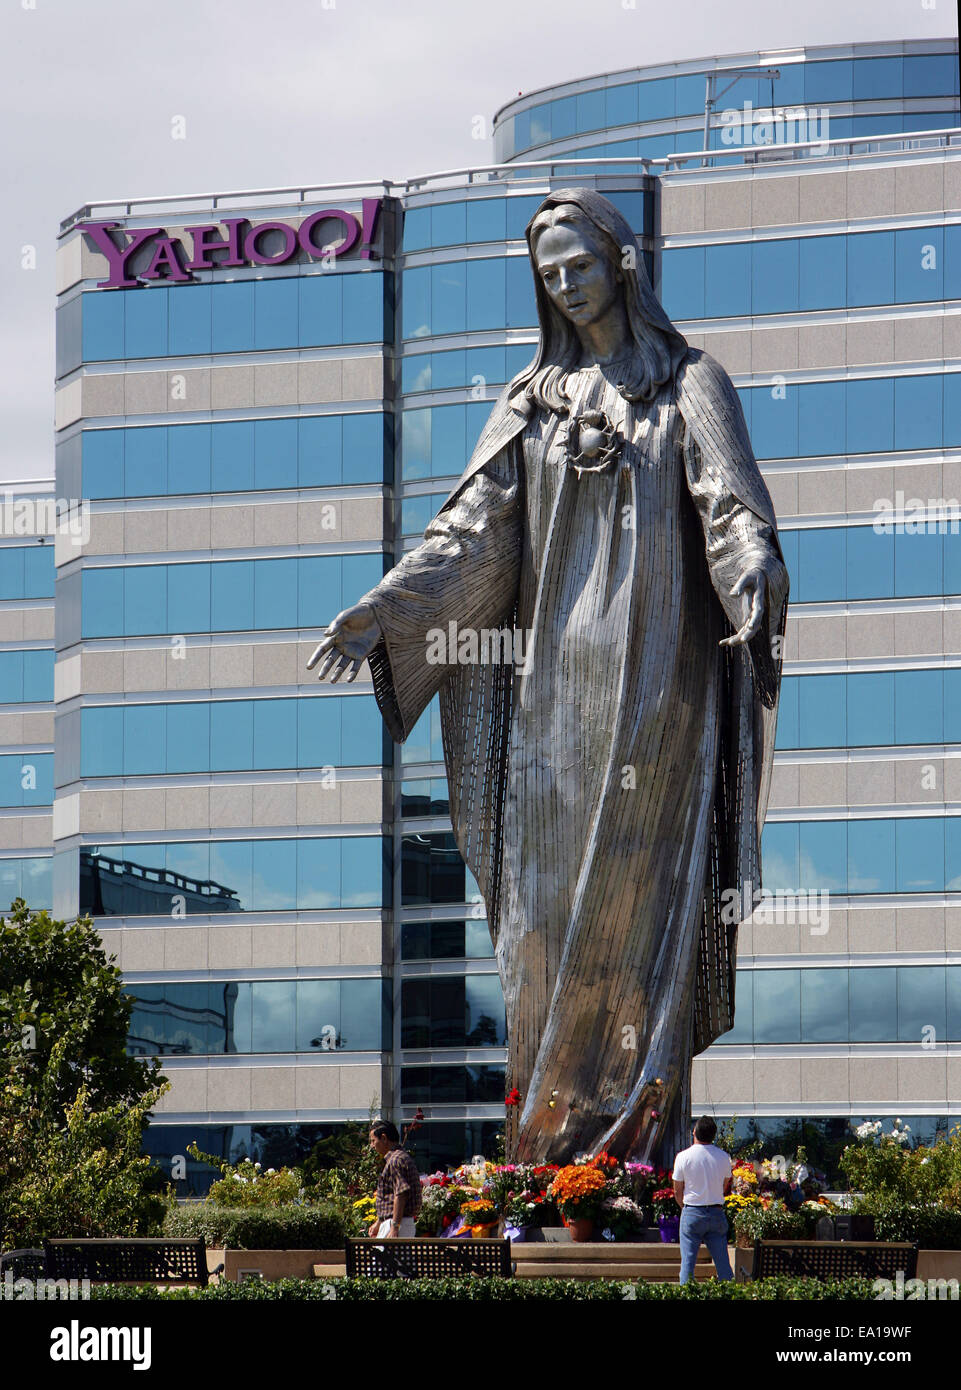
x: 270, y: 93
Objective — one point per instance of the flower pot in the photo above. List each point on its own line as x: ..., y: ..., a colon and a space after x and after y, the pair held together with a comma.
x: 484, y: 1232
x: 669, y: 1227
x: 581, y: 1227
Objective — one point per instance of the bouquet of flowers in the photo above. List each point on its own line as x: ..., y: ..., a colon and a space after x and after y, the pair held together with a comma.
x: 480, y: 1211
x: 620, y: 1218
x: 441, y: 1206
x: 579, y: 1190
x: 664, y: 1203
x: 527, y: 1209
x: 744, y: 1178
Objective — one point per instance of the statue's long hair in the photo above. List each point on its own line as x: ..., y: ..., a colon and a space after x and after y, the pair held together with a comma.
x: 659, y: 347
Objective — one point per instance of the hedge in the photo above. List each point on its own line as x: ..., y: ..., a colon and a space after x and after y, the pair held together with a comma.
x: 265, y: 1228
x: 497, y: 1290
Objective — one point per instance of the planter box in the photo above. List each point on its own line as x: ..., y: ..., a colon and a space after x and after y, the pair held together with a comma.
x: 273, y: 1264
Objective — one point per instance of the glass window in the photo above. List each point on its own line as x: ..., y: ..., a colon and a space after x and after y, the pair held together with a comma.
x: 919, y: 265
x: 682, y: 282
x: 870, y: 415
x: 364, y: 446
x: 870, y: 268
x: 362, y: 871
x: 869, y: 565
x: 486, y: 290
x: 364, y: 307
x: 102, y: 331
x: 188, y: 597
x: 362, y: 736
x: 622, y: 104
x: 821, y: 720
x: 822, y: 857
x: 276, y: 312
x: 727, y: 280
x: 275, y: 734
x: 777, y: 1006
x: 918, y: 706
x: 917, y: 563
x: 103, y: 463
x: 921, y: 1003
x: 821, y: 418
x: 931, y: 74
x: 231, y: 735
x: 274, y: 875
x: 822, y: 272
x: 318, y: 873
x: 416, y: 302
x: 448, y: 440
x: 144, y: 599
x: 145, y: 462
x: 590, y: 110
x: 821, y: 563
x: 828, y: 81
x: 232, y: 456
x: 875, y: 78
x: 319, y: 450
x: 144, y: 739
x: 871, y: 856
x: 145, y: 323
x: 188, y: 458
x: 275, y: 453
x: 449, y: 297
x: 101, y: 741
x: 189, y: 317
x: 485, y: 1021
x: 870, y: 703
x: 37, y: 675
x: 101, y: 602
x: 318, y: 731
x: 917, y: 412
x: 38, y: 571
x: 774, y: 421
x: 774, y: 276
x: 787, y: 713
x: 273, y: 1015
x: 231, y: 863
x: 872, y: 994
x: 448, y: 225
x: 321, y: 309
x: 232, y: 596
x: 360, y: 1012
x: 417, y: 229
x: 824, y: 1005
x: 780, y: 856
x: 521, y: 307
x: 232, y: 306
x: 319, y: 1015
x: 188, y: 737
x: 920, y: 855
x: 275, y: 593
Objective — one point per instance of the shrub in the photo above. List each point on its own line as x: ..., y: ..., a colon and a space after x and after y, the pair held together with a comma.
x: 932, y: 1225
x: 775, y: 1222
x: 259, y: 1228
x: 782, y: 1288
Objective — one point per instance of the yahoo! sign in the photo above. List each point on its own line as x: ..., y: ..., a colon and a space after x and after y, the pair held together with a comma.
x: 233, y: 242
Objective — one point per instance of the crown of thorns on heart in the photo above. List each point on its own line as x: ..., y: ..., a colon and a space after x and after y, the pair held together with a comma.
x: 593, y: 443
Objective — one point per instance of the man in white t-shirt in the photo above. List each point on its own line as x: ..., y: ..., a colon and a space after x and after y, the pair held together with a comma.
x: 702, y: 1179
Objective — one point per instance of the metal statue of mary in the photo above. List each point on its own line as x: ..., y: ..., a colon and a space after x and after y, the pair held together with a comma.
x: 608, y: 793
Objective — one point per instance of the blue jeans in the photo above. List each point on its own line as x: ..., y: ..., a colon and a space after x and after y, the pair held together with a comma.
x: 708, y: 1226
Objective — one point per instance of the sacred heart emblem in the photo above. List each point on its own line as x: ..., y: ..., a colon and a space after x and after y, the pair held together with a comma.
x: 593, y: 444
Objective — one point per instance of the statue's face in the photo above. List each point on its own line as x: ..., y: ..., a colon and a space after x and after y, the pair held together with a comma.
x: 576, y: 273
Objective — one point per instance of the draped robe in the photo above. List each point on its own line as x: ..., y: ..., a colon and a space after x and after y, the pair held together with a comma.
x: 608, y: 792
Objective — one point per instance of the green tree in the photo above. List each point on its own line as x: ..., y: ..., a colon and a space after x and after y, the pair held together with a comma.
x: 73, y: 1104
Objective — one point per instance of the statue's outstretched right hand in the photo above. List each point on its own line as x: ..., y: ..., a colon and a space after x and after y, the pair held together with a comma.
x: 350, y: 639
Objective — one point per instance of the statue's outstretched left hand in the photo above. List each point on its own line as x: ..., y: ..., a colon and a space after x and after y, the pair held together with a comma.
x: 753, y: 585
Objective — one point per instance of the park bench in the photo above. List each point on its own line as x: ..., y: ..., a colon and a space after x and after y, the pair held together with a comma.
x: 427, y: 1257
x: 834, y: 1259
x: 137, y: 1260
